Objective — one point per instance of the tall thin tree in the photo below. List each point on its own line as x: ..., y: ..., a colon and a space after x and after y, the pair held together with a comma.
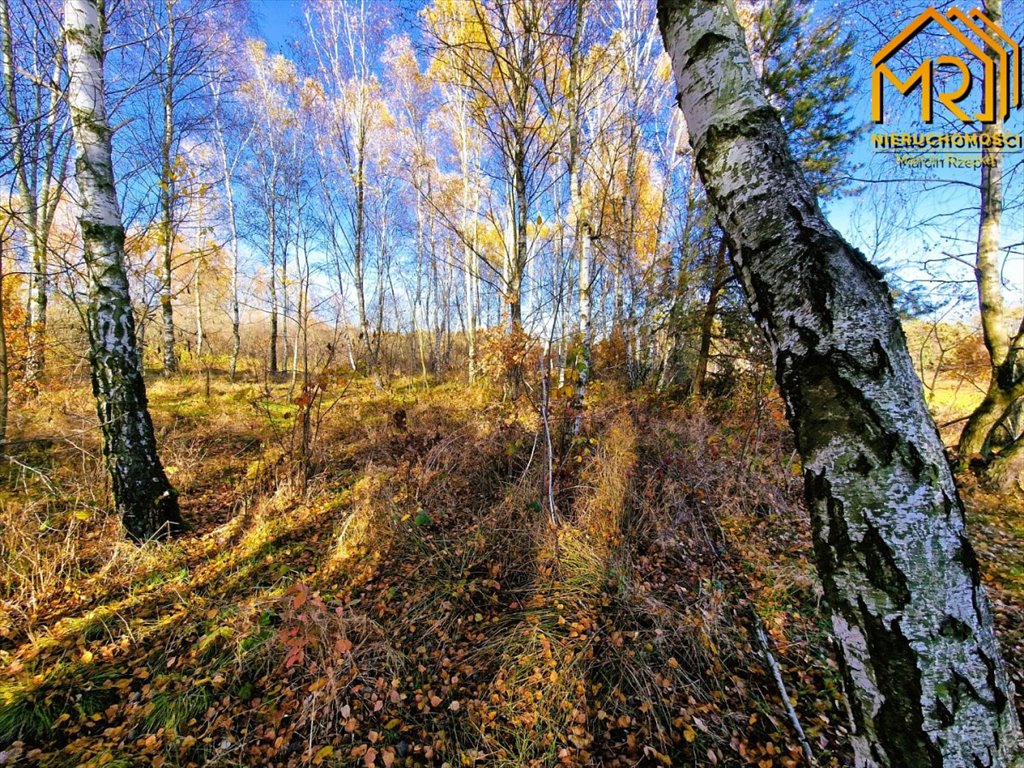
x: 147, y: 503
x: 39, y: 141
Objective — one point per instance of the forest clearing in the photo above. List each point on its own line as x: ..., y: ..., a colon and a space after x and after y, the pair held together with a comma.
x: 511, y: 383
x: 414, y: 603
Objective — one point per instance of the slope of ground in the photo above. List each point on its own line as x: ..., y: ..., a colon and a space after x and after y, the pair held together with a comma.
x: 390, y: 586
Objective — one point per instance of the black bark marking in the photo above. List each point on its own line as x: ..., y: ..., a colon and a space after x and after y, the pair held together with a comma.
x: 951, y: 626
x: 881, y: 567
x: 836, y: 547
x: 93, y: 232
x: 999, y: 699
x: 900, y: 720
x: 965, y: 555
x: 704, y: 45
x: 941, y: 714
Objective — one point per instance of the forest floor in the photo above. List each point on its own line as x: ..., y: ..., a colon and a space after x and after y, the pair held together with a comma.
x: 399, y: 593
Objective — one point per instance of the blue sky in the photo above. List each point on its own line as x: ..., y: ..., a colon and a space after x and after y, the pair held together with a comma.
x: 279, y: 21
x: 940, y: 219
x: 921, y: 252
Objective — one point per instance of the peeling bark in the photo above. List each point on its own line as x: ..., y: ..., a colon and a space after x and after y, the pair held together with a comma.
x: 143, y: 497
x: 926, y: 683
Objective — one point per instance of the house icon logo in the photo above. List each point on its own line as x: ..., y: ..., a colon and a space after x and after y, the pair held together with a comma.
x: 980, y: 38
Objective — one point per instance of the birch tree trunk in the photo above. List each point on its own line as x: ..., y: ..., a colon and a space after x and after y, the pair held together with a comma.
x: 227, y: 169
x: 283, y: 357
x: 200, y: 333
x: 359, y: 225
x: 143, y: 497
x: 167, y: 200
x: 925, y: 680
x: 581, y: 221
x: 272, y: 258
x: 470, y: 196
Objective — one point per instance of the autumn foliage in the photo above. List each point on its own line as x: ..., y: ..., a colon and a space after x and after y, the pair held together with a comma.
x: 417, y: 605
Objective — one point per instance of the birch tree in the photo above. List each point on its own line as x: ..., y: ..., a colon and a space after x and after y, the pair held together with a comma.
x: 228, y: 169
x: 269, y: 99
x: 576, y: 106
x: 143, y: 497
x: 925, y: 680
x: 356, y: 114
x: 501, y: 52
x: 39, y: 145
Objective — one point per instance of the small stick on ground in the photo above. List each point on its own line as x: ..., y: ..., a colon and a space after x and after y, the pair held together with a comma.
x: 762, y: 640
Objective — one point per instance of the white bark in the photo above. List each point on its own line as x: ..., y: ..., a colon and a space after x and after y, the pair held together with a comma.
x: 167, y: 200
x: 142, y: 495
x: 227, y: 169
x: 927, y: 686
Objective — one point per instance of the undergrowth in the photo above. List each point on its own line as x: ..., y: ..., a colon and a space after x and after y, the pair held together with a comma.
x: 408, y: 597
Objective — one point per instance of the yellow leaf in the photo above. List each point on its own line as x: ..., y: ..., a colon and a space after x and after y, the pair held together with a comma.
x: 689, y: 734
x: 322, y: 754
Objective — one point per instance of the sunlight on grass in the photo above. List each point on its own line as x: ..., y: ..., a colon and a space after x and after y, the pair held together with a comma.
x: 418, y: 598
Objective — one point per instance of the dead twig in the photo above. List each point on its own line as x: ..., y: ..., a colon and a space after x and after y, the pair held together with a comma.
x: 762, y: 640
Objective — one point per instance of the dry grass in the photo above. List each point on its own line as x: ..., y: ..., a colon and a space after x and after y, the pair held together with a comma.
x: 406, y: 598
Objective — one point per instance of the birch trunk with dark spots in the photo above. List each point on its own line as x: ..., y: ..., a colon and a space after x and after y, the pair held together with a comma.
x: 168, y: 192
x: 925, y: 681
x: 142, y: 495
